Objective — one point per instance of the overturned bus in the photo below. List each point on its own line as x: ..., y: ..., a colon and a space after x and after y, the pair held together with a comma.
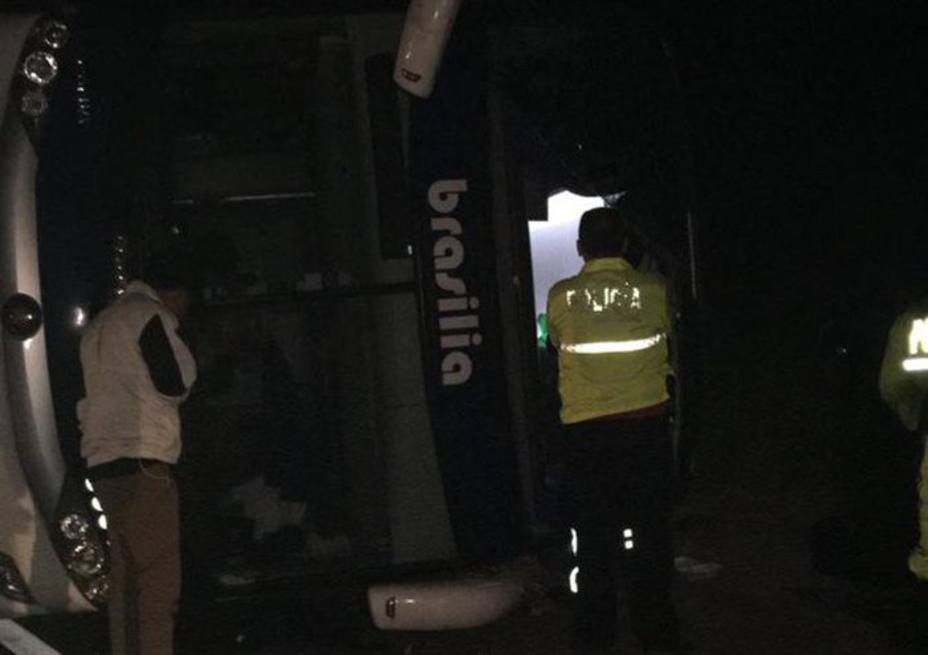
x: 374, y: 406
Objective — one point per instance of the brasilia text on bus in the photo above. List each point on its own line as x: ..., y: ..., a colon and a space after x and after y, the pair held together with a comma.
x: 458, y: 320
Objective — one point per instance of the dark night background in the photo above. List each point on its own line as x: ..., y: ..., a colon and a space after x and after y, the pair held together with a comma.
x: 809, y: 140
x: 808, y: 133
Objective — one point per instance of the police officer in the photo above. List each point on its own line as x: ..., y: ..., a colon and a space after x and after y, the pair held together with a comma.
x: 904, y: 387
x: 610, y: 325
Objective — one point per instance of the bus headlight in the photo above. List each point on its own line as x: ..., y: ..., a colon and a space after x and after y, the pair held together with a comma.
x: 75, y: 527
x: 98, y: 591
x: 12, y: 584
x: 40, y: 68
x: 85, y: 558
x: 55, y: 34
x: 80, y: 541
x: 33, y: 103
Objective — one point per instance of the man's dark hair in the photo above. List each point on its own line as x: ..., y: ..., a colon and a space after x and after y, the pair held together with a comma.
x: 169, y: 270
x: 602, y: 233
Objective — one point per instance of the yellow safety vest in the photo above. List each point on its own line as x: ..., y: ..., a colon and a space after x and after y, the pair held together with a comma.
x: 904, y: 387
x: 904, y: 373
x: 610, y: 325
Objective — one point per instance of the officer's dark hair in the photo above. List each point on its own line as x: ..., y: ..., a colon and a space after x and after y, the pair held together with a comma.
x: 169, y: 269
x: 603, y: 233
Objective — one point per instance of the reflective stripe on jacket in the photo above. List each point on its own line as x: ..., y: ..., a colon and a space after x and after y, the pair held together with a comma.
x: 610, y: 325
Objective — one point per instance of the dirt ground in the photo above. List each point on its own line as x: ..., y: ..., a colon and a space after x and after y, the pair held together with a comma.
x: 764, y: 598
x: 767, y: 598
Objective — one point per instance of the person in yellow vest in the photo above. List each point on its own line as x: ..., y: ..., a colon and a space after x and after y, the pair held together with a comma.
x: 904, y: 387
x: 610, y: 325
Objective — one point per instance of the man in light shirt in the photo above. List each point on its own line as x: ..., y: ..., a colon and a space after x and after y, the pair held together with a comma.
x: 137, y: 371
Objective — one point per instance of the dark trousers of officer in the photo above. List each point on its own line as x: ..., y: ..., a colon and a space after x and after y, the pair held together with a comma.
x: 620, y: 478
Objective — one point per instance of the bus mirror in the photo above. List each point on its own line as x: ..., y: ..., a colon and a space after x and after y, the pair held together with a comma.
x: 425, y: 34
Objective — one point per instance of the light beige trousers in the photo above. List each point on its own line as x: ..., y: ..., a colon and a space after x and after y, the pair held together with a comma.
x: 142, y: 521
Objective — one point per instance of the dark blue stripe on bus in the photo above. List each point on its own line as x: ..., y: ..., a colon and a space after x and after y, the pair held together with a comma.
x: 461, y: 330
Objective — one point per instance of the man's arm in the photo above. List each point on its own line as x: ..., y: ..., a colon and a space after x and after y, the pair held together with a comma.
x: 160, y: 359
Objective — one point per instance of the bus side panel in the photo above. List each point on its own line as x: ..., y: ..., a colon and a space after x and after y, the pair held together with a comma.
x: 23, y: 532
x: 465, y: 375
x: 419, y: 522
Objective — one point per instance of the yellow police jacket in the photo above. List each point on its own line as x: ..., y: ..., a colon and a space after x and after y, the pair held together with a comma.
x: 904, y: 372
x: 610, y: 325
x: 904, y: 387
